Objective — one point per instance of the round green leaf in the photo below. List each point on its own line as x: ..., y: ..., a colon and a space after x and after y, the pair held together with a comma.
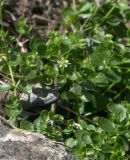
x: 42, y: 49
x: 85, y: 7
x: 44, y: 116
x: 13, y: 112
x: 124, y: 143
x: 106, y: 125
x: 71, y: 142
x: 32, y: 74
x: 27, y: 125
x: 58, y: 117
x: 113, y: 20
x: 5, y: 88
x: 35, y: 42
x: 118, y: 109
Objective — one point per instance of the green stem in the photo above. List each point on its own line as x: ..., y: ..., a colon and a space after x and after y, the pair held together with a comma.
x: 13, y: 81
x: 109, y: 12
x: 109, y: 88
x: 119, y: 94
x: 54, y: 105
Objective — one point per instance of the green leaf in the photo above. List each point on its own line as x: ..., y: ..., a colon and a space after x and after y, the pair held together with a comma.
x: 26, y: 88
x: 83, y: 124
x: 37, y: 123
x: 5, y: 88
x: 2, y: 33
x: 101, y: 80
x: 35, y: 42
x: 58, y: 117
x: 113, y: 75
x: 15, y: 60
x: 13, y: 107
x: 83, y: 137
x: 70, y: 127
x: 42, y: 49
x: 97, y: 100
x: 113, y: 20
x: 91, y: 127
x: 98, y: 138
x: 13, y: 112
x: 71, y: 142
x: 68, y: 16
x: 106, y: 125
x: 127, y: 14
x: 85, y: 7
x: 44, y: 116
x: 27, y: 125
x: 47, y: 79
x: 40, y: 124
x: 22, y: 27
x: 118, y: 110
x: 65, y: 46
x: 32, y: 74
x: 114, y: 156
x: 123, y: 141
x: 90, y: 152
x: 77, y: 89
x: 101, y: 56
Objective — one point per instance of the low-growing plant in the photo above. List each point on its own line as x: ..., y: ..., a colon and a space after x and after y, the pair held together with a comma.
x: 89, y: 67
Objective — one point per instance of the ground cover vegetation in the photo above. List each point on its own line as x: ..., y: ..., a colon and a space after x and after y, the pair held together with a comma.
x: 89, y: 65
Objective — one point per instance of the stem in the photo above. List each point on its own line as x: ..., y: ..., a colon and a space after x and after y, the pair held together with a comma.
x: 74, y: 5
x: 54, y: 105
x: 13, y: 81
x: 109, y: 12
x: 6, y: 122
x: 109, y: 88
x: 1, y: 9
x: 81, y: 116
x: 18, y: 83
x: 87, y: 19
x: 119, y: 93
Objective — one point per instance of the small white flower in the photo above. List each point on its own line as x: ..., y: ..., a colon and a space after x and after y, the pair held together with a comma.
x: 78, y: 126
x: 63, y: 62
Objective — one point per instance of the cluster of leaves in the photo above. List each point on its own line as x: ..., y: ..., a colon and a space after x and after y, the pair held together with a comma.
x: 90, y: 67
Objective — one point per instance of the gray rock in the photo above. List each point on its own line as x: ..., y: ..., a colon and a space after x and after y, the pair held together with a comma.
x: 39, y: 97
x: 18, y: 144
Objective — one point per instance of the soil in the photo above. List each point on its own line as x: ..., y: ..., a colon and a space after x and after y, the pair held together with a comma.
x: 43, y: 15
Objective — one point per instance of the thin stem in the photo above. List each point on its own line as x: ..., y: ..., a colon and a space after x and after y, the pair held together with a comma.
x: 74, y: 5
x: 109, y: 12
x: 109, y: 88
x: 6, y: 122
x: 11, y: 74
x: 81, y: 116
x: 119, y: 94
x: 13, y: 81
x: 2, y: 74
x: 1, y: 9
x: 54, y: 105
x: 85, y: 22
x: 18, y: 83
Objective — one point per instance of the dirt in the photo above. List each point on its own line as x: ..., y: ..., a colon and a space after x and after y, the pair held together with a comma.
x: 43, y: 15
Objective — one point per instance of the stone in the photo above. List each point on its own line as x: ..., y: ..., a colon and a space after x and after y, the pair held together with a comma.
x: 39, y: 97
x: 18, y: 144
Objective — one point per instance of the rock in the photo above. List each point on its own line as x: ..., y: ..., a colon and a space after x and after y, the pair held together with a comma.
x: 18, y: 144
x: 39, y: 97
